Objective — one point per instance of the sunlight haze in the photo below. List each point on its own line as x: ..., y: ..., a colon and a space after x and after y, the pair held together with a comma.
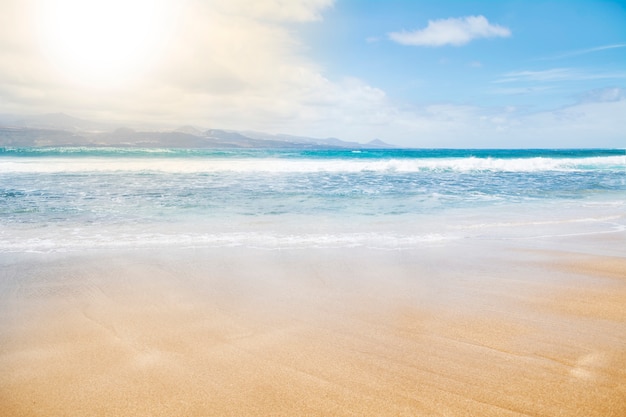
x: 412, y: 73
x: 102, y: 44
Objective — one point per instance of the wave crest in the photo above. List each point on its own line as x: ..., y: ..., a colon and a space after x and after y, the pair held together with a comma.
x: 279, y: 165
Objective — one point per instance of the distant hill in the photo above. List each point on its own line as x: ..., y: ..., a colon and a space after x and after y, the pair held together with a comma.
x: 53, y: 121
x: 23, y: 136
x: 377, y: 143
x: 62, y: 130
x: 327, y: 142
x: 189, y: 130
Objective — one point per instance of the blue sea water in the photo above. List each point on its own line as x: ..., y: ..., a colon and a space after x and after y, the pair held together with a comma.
x: 64, y: 199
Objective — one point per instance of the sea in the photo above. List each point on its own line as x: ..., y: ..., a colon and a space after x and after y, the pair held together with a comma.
x: 85, y: 198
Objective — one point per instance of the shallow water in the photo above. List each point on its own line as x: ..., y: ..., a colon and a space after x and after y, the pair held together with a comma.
x: 60, y: 199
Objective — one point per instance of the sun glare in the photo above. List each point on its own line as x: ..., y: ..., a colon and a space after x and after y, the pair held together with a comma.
x: 103, y: 42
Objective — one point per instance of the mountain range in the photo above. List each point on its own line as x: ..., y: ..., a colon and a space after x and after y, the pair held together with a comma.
x: 60, y: 129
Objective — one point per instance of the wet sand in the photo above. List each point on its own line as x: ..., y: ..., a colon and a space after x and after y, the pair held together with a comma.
x: 449, y: 331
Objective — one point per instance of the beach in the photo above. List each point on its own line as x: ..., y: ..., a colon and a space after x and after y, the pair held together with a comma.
x: 495, y: 330
x: 178, y: 282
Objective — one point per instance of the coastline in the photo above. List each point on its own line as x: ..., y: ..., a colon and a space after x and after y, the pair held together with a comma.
x: 461, y: 329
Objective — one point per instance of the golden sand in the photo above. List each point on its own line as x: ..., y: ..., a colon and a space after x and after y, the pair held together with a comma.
x: 361, y: 333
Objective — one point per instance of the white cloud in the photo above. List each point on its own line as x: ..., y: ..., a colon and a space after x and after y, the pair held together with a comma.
x: 558, y: 74
x: 596, y: 122
x: 275, y: 10
x: 584, y: 51
x: 226, y: 63
x: 602, y: 95
x: 452, y: 31
x: 524, y: 90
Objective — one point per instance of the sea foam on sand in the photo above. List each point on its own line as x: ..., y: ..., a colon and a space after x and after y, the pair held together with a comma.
x: 456, y: 329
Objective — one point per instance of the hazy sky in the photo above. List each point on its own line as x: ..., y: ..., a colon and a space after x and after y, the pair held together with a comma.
x: 411, y: 72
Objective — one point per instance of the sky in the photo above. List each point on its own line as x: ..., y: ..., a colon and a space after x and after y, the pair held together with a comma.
x: 414, y: 73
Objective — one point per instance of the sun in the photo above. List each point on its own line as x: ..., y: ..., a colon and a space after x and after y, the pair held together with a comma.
x: 103, y: 42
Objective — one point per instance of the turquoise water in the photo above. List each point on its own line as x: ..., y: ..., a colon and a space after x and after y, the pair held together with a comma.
x: 63, y: 199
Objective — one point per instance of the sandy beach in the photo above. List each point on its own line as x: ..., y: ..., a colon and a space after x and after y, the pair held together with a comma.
x: 491, y: 331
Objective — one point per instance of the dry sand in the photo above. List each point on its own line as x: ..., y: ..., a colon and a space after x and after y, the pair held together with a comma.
x: 354, y: 332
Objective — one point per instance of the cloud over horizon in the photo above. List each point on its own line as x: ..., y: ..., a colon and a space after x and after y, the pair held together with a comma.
x: 223, y: 61
x: 269, y: 66
x: 452, y: 31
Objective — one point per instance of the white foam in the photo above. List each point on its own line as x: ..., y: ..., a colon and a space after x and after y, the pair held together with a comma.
x: 68, y: 242
x: 279, y: 165
x: 606, y: 219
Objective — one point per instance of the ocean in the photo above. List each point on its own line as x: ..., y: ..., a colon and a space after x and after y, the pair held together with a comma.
x: 71, y: 199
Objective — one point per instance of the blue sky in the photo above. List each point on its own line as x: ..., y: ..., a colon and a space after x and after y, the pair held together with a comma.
x: 544, y: 37
x: 413, y: 73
